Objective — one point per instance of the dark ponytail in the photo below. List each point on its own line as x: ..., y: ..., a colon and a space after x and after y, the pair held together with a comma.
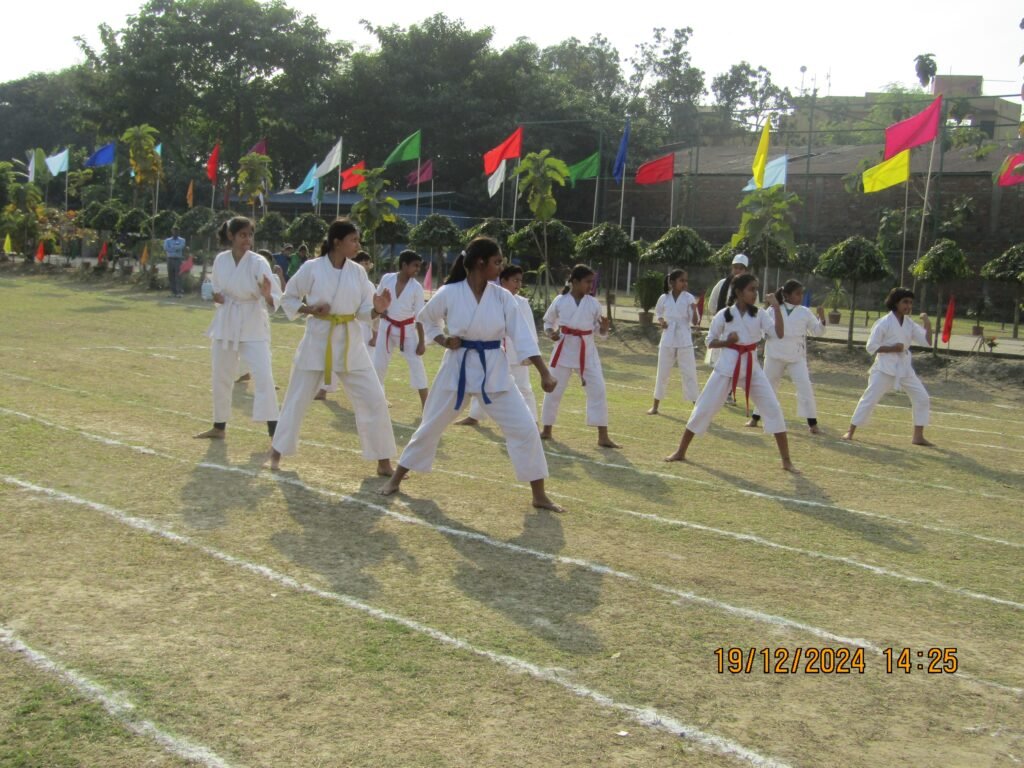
x: 671, y: 277
x: 739, y: 284
x: 479, y: 250
x: 787, y: 289
x: 232, y: 227
x: 579, y: 272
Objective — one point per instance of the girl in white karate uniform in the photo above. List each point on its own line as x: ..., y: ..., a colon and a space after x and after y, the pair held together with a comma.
x: 890, y: 340
x: 362, y: 258
x: 511, y: 280
x: 335, y: 294
x: 399, y: 332
x: 245, y: 290
x: 789, y: 354
x: 573, y: 319
x: 736, y: 331
x: 478, y: 315
x: 675, y: 312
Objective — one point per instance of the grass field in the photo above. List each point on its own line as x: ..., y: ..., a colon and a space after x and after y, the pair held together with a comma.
x: 167, y: 602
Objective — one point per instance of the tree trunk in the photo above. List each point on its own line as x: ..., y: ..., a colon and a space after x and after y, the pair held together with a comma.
x: 853, y: 305
x: 938, y: 314
x: 1016, y: 308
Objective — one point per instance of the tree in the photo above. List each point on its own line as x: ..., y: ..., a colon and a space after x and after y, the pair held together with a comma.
x: 679, y: 247
x: 254, y: 178
x: 747, y: 97
x: 376, y: 206
x: 1009, y: 268
x: 925, y: 68
x: 271, y: 229
x: 194, y: 221
x: 768, y: 215
x: 602, y: 246
x: 540, y: 173
x: 436, y: 232
x: 163, y: 222
x: 940, y: 264
x: 671, y: 85
x: 497, y: 229
x: 857, y: 260
x: 142, y: 155
x: 560, y: 243
x: 307, y: 228
x: 391, y: 233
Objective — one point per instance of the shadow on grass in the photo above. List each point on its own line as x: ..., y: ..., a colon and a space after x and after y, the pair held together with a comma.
x: 340, y: 540
x: 543, y: 597
x: 210, y: 495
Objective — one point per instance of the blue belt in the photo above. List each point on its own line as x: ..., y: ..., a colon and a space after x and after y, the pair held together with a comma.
x: 480, y: 347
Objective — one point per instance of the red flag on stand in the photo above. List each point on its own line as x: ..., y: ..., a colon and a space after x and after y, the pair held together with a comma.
x: 700, y: 307
x: 658, y: 170
x: 186, y: 266
x: 103, y: 253
x: 947, y: 326
x: 509, y: 149
x: 40, y: 252
x: 914, y: 131
x: 211, y: 164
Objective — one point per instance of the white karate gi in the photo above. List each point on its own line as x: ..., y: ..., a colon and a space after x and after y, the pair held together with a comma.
x: 348, y: 291
x: 749, y: 330
x: 790, y: 354
x: 564, y: 313
x: 711, y: 308
x: 676, y: 347
x: 495, y: 317
x: 240, y: 330
x: 404, y: 307
x: 519, y: 365
x: 893, y: 370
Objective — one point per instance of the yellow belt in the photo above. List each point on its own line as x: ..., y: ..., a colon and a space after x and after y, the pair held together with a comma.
x: 336, y: 320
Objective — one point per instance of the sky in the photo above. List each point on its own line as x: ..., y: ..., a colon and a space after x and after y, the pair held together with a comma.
x: 847, y: 48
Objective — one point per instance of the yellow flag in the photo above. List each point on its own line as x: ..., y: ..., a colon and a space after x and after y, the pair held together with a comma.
x: 145, y: 255
x: 188, y: 195
x: 8, y: 248
x: 893, y: 171
x: 761, y: 158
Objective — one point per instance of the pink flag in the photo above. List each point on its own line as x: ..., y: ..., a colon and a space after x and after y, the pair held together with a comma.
x: 914, y: 131
x: 259, y: 148
x: 428, y: 279
x: 186, y: 266
x: 426, y: 173
x: 1012, y: 170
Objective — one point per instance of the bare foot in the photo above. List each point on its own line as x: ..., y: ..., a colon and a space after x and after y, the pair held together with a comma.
x: 390, y: 487
x: 813, y: 429
x: 750, y: 423
x: 652, y: 412
x: 384, y: 468
x: 607, y: 443
x: 677, y: 456
x: 210, y: 434
x: 544, y: 502
x: 321, y: 395
x: 788, y: 466
x: 922, y: 441
x: 469, y: 421
x: 273, y: 460
x: 243, y: 377
x: 848, y: 437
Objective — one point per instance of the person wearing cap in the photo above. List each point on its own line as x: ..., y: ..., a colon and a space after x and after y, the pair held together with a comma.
x: 719, y: 299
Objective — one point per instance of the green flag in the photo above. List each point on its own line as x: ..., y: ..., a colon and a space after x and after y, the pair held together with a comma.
x: 585, y: 169
x: 407, y: 150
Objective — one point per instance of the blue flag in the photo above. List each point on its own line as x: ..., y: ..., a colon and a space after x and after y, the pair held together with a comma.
x: 807, y: 298
x: 102, y: 156
x: 315, y: 186
x: 774, y: 174
x: 620, y: 159
x: 308, y: 182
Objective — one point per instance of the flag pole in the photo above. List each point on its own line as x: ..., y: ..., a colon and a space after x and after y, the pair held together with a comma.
x: 67, y: 172
x: 924, y: 208
x: 341, y: 154
x: 431, y: 193
x: 597, y: 188
x: 515, y: 197
x: 417, y: 190
x: 671, y: 199
x: 906, y: 211
x: 622, y: 195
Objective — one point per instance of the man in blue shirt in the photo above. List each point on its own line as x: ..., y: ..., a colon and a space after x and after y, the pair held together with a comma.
x: 174, y: 247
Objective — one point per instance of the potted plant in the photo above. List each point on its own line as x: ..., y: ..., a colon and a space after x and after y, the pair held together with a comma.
x: 649, y: 287
x: 834, y: 300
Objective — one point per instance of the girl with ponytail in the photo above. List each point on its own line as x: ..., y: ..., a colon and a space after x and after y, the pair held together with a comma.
x: 675, y: 312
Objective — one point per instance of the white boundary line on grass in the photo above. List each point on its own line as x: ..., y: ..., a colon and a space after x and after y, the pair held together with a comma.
x: 646, y: 716
x: 600, y: 569
x: 116, y: 705
x: 662, y: 475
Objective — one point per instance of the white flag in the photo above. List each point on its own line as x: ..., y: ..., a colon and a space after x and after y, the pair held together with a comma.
x: 32, y: 168
x: 57, y: 163
x: 496, y: 179
x: 332, y: 161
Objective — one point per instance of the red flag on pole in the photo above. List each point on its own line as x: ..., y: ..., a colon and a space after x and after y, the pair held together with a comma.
x: 700, y: 307
x: 40, y: 252
x: 103, y: 253
x: 351, y: 178
x: 211, y: 164
x: 428, y: 279
x: 914, y: 131
x: 947, y: 326
x: 658, y: 170
x: 509, y: 149
x: 186, y: 266
x: 259, y: 148
x: 1012, y: 171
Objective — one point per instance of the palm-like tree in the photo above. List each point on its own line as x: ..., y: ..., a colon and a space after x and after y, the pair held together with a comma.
x: 540, y: 173
x: 142, y: 154
x: 254, y: 177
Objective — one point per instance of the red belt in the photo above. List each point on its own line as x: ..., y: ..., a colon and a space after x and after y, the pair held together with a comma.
x: 401, y: 325
x: 583, y: 348
x: 748, y: 350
